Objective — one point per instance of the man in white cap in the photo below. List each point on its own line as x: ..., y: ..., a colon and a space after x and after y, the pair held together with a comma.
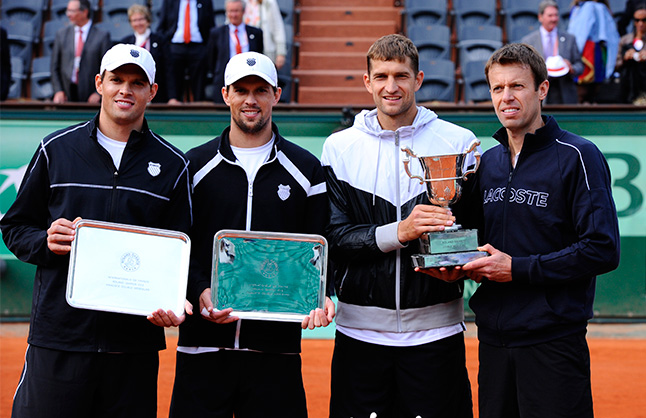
x: 86, y: 363
x: 560, y: 52
x: 248, y: 178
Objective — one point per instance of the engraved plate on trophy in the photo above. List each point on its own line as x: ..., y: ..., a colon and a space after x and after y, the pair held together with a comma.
x: 127, y: 269
x: 443, y: 177
x: 269, y: 275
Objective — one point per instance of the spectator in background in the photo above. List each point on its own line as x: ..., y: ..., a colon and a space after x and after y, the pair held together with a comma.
x: 229, y: 40
x: 76, y: 56
x: 140, y: 19
x: 631, y: 60
x: 626, y: 16
x: 5, y: 65
x: 186, y: 25
x: 597, y: 38
x: 560, y: 52
x: 265, y: 14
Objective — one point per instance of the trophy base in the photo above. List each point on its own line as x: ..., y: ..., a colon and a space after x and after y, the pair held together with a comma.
x: 425, y: 261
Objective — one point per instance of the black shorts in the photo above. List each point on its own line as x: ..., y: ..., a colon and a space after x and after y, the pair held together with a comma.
x: 544, y: 380
x: 248, y: 384
x: 428, y: 380
x: 70, y: 384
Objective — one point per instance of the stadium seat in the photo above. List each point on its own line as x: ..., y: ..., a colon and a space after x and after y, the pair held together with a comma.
x: 477, y: 43
x: 521, y: 17
x: 475, y: 82
x: 425, y: 12
x: 470, y: 12
x: 564, y: 13
x: 41, y: 83
x: 49, y: 35
x: 516, y: 30
x: 30, y: 11
x: 118, y: 28
x: 432, y: 41
x: 20, y: 39
x: 439, y: 81
x: 17, y: 77
x: 57, y: 10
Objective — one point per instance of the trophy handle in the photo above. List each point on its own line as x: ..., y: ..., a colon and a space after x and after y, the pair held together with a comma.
x: 410, y: 153
x: 476, y: 154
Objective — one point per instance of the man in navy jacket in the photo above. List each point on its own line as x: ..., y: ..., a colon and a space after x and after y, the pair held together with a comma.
x: 551, y: 227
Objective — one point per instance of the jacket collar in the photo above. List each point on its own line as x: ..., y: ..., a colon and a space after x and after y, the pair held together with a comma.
x: 543, y: 137
x: 225, y: 144
x: 136, y: 138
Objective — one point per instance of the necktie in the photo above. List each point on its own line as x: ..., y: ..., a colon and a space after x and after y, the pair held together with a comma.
x: 550, y: 45
x: 77, y: 56
x: 187, y: 23
x: 238, y: 46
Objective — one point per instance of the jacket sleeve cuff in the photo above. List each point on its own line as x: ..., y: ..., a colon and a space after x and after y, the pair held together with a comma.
x: 386, y: 237
x: 520, y: 269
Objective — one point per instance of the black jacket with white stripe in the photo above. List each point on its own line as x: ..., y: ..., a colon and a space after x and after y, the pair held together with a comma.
x: 72, y: 176
x: 224, y: 199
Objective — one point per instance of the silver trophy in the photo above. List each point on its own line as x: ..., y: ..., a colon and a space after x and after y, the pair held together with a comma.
x: 443, y: 175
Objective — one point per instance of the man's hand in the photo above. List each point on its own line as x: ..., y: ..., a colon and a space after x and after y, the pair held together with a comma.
x: 60, y: 235
x: 163, y: 318
x: 59, y: 97
x: 320, y: 317
x: 496, y: 267
x: 424, y: 218
x: 448, y: 275
x: 213, y: 315
x: 94, y: 98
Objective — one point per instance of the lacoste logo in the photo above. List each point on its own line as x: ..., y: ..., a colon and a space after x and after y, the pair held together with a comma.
x: 284, y: 192
x: 154, y: 169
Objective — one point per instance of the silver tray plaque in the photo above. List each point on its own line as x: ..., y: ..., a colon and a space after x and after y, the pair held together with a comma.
x: 127, y: 269
x: 268, y: 275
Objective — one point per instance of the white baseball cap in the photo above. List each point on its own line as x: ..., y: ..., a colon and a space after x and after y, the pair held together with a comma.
x: 556, y: 66
x: 122, y: 54
x: 250, y: 63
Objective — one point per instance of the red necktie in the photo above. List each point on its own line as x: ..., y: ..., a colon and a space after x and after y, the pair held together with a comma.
x: 187, y: 23
x: 238, y: 46
x: 77, y: 54
x: 79, y: 44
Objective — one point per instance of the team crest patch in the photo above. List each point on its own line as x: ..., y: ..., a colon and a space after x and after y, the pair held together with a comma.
x: 284, y: 191
x: 134, y: 53
x: 251, y: 62
x: 154, y: 169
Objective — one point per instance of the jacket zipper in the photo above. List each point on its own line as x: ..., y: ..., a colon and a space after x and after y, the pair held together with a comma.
x: 398, y: 255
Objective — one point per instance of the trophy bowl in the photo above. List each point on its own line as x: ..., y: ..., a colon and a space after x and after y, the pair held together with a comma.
x: 443, y: 178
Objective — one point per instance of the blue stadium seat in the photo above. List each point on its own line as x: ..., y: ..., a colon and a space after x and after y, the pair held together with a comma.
x: 21, y: 40
x: 49, y: 34
x: 521, y: 17
x: 470, y: 12
x: 30, y: 11
x: 432, y: 41
x: 41, y: 83
x: 475, y: 82
x: 439, y: 81
x: 477, y: 43
x: 17, y: 78
x: 425, y: 12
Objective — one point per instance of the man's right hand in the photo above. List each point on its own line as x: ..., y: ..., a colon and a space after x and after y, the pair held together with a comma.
x: 424, y: 218
x: 213, y: 315
x: 59, y: 97
x: 60, y: 235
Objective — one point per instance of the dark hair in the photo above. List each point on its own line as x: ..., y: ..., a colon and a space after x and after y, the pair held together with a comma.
x: 523, y: 54
x: 394, y: 48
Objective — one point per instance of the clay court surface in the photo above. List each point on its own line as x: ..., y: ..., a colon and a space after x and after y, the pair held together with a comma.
x: 618, y: 369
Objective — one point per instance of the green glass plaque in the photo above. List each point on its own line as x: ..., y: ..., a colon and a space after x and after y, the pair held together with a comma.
x: 268, y: 275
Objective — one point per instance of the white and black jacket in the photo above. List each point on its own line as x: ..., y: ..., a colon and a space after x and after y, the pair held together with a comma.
x: 224, y: 199
x: 370, y: 193
x: 72, y: 176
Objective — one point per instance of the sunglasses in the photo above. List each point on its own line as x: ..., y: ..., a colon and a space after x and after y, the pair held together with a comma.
x: 639, y: 20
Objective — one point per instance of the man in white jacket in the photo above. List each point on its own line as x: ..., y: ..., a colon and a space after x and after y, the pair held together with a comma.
x: 399, y: 347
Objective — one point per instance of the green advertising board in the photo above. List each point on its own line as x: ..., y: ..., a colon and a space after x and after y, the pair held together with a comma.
x: 621, y: 294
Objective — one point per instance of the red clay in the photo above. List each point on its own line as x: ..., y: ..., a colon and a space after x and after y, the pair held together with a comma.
x: 618, y: 383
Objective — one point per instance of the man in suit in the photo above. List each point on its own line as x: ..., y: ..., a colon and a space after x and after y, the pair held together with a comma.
x: 76, y: 56
x: 187, y: 42
x: 551, y: 43
x: 229, y: 40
